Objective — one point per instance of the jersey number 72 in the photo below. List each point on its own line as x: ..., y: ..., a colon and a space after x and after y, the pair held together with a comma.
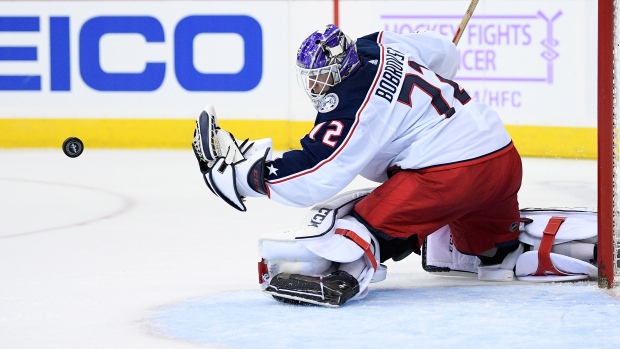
x: 437, y: 100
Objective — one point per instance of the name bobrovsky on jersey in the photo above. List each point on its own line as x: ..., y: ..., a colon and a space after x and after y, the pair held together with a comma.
x: 392, y: 73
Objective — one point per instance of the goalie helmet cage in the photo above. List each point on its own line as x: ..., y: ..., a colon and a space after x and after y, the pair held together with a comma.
x: 608, y: 147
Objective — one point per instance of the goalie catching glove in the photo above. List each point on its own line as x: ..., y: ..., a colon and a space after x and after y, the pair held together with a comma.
x: 232, y: 171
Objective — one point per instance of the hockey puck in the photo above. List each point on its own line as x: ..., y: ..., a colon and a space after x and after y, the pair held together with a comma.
x: 73, y: 147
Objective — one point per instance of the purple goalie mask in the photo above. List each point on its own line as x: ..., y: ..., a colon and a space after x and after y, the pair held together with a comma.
x: 324, y: 59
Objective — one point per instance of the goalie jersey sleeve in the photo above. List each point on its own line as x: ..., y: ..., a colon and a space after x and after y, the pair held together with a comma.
x: 400, y: 110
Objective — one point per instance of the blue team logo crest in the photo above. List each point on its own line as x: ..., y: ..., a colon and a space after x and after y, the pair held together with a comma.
x: 328, y: 103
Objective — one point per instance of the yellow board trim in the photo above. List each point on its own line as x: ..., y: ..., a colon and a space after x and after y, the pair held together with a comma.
x: 538, y: 141
x: 555, y: 142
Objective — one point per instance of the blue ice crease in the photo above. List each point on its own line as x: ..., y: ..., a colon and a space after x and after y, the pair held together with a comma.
x: 511, y: 316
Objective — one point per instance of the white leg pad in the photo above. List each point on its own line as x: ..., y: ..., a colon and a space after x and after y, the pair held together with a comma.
x: 527, y: 265
x: 328, y: 239
x: 577, y: 226
x: 440, y: 257
x: 317, y: 266
x: 563, y: 245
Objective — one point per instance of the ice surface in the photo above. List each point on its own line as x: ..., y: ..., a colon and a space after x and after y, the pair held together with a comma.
x: 129, y: 249
x: 507, y: 316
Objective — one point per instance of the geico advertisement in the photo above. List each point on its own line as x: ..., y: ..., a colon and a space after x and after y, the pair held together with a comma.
x: 143, y: 59
x: 533, y: 61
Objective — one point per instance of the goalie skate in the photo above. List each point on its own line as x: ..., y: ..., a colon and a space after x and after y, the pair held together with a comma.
x: 331, y: 290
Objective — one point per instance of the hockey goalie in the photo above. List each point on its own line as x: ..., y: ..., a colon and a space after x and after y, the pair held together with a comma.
x: 389, y: 110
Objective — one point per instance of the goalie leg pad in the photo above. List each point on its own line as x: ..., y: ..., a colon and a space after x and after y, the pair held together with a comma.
x: 336, y: 241
x: 440, y: 257
x: 351, y: 249
x: 316, y: 237
x: 351, y: 242
x: 316, y: 266
x: 549, y: 234
x: 569, y: 253
x: 552, y: 231
x: 568, y: 269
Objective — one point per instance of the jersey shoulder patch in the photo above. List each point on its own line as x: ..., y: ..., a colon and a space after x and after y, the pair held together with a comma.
x: 328, y: 103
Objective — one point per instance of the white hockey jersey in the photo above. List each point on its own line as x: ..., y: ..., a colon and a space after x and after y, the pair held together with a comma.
x: 400, y: 110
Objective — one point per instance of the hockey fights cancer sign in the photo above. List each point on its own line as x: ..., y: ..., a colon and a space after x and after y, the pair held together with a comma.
x: 512, y: 61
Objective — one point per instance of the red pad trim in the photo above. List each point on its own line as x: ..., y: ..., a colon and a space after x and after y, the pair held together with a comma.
x: 262, y: 270
x: 351, y: 235
x: 545, y: 265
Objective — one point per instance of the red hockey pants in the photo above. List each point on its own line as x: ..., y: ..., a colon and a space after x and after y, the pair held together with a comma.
x: 477, y: 199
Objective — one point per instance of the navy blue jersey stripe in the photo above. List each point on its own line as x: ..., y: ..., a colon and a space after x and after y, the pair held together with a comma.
x: 333, y: 129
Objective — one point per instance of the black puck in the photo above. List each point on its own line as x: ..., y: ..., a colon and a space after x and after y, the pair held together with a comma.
x: 72, y: 147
